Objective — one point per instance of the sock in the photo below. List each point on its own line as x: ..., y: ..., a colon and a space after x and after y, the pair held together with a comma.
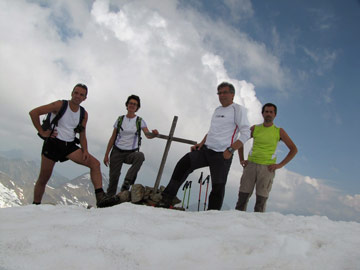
x: 98, y: 190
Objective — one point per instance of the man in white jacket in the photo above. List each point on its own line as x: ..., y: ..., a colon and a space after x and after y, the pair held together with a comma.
x: 229, y: 130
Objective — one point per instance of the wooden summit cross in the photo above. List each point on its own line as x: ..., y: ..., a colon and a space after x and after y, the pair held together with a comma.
x: 169, y: 139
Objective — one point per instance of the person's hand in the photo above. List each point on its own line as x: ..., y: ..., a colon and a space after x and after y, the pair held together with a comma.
x: 47, y: 133
x: 227, y: 154
x: 54, y: 134
x: 274, y: 167
x: 195, y: 147
x: 244, y: 163
x: 155, y: 131
x: 85, y: 155
x: 106, y: 160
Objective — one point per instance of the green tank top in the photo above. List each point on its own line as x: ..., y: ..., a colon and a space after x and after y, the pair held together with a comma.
x: 264, y: 145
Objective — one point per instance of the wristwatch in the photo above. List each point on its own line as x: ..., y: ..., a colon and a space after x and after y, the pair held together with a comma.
x: 231, y: 150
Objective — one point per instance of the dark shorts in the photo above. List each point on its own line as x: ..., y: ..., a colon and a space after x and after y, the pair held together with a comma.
x: 58, y: 150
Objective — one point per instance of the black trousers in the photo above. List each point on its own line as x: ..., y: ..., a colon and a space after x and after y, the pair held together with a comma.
x: 219, y: 169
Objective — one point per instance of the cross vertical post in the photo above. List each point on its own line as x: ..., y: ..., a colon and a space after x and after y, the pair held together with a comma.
x: 166, y: 151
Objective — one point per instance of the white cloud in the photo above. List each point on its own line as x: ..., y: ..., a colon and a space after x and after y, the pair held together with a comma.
x: 324, y: 20
x: 352, y: 201
x: 239, y: 9
x: 324, y: 60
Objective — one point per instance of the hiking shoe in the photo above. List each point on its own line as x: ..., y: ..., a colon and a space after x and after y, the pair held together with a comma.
x: 165, y: 202
x: 108, y: 201
x: 126, y: 185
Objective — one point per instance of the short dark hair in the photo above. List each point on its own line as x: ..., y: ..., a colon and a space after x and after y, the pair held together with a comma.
x: 133, y: 97
x: 225, y: 84
x: 269, y: 105
x: 83, y: 86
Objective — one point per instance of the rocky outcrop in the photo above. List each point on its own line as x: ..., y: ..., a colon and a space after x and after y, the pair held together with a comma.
x: 143, y: 195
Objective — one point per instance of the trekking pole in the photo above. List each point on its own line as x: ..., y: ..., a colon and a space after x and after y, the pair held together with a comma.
x: 187, y: 206
x: 184, y: 188
x: 200, y: 182
x: 207, y: 179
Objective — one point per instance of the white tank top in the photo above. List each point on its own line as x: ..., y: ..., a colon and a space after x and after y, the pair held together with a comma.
x: 66, y: 125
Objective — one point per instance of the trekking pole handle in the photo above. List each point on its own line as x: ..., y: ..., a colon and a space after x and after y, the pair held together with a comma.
x: 206, y: 179
x: 200, y: 179
x: 185, y: 185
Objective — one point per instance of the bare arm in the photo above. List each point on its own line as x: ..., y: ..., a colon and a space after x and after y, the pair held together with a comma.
x: 83, y: 139
x: 292, y: 147
x: 53, y: 107
x: 148, y: 134
x: 109, y: 147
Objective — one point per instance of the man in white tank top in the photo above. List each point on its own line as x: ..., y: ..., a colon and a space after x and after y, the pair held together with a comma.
x: 59, y: 144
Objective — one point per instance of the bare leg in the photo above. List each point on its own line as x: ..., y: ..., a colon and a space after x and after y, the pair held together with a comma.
x: 92, y: 163
x: 46, y: 169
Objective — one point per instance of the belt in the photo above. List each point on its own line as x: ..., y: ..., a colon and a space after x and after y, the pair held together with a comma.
x: 60, y: 141
x: 125, y: 151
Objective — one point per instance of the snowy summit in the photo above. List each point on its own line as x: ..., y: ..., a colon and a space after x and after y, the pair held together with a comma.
x: 130, y: 236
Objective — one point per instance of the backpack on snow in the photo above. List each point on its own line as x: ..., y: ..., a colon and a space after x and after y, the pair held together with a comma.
x: 138, y: 128
x: 47, y: 124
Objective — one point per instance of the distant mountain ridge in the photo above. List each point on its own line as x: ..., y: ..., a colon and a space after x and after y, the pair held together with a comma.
x: 18, y: 177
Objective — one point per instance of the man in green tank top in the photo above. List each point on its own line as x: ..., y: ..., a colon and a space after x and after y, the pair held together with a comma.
x: 259, y: 169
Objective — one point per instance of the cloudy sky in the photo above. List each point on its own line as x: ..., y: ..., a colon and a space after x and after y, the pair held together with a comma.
x: 301, y: 55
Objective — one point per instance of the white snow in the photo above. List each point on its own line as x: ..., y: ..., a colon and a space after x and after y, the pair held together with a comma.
x: 72, y: 186
x: 131, y: 236
x: 8, y: 197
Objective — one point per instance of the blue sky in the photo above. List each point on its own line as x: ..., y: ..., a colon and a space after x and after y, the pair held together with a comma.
x: 317, y: 44
x: 301, y: 55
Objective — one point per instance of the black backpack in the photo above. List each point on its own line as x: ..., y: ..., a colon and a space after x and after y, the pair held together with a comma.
x: 47, y: 124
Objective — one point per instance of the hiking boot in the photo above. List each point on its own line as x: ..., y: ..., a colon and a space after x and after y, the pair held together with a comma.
x: 126, y: 185
x: 260, y: 204
x: 108, y: 201
x: 165, y: 202
x: 99, y: 194
x: 243, y: 199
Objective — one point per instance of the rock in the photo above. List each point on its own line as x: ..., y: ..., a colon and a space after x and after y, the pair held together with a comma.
x: 124, y: 196
x: 143, y: 195
x: 156, y: 197
x: 137, y: 193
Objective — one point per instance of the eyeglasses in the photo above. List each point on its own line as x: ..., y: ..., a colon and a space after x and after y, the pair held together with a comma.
x: 223, y: 93
x: 133, y: 103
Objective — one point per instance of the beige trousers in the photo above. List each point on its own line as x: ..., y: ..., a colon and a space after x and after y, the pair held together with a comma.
x: 257, y: 175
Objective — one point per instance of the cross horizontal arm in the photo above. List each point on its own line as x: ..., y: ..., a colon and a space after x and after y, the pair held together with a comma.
x: 175, y: 139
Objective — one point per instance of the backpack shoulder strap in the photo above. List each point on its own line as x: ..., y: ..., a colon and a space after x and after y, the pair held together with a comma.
x: 119, y: 123
x: 138, y: 124
x: 60, y: 113
x: 82, y: 114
